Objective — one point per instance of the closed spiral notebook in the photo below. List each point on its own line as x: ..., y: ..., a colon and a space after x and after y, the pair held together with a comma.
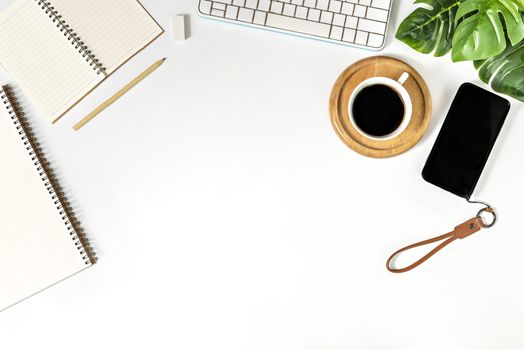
x: 60, y: 50
x: 41, y: 241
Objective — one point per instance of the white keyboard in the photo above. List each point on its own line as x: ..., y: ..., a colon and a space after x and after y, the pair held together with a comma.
x: 361, y: 23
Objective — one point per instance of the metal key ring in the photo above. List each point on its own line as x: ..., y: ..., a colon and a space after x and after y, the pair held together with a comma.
x: 490, y: 211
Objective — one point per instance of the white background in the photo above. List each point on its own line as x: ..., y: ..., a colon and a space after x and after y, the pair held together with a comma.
x: 228, y: 215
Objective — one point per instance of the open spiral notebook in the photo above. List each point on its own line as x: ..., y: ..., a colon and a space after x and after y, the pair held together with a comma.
x: 41, y: 241
x: 60, y: 50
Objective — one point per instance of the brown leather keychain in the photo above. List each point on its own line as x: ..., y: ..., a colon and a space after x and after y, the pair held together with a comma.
x: 462, y: 231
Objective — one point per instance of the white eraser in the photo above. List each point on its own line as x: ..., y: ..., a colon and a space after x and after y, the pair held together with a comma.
x: 179, y: 28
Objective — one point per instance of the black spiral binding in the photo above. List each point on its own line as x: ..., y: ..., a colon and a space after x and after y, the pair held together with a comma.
x: 71, y: 36
x: 48, y: 176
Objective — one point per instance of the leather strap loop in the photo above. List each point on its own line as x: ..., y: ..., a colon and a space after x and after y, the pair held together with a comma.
x: 460, y: 232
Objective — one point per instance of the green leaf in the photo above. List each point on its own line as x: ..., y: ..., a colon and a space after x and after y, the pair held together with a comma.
x: 505, y: 71
x: 430, y: 29
x: 481, y: 30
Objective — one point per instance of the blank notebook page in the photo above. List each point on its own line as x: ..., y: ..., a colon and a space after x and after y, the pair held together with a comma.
x: 113, y: 30
x: 41, y: 59
x: 36, y: 249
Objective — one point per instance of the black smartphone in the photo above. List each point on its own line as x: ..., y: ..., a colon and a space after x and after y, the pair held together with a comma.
x: 466, y: 139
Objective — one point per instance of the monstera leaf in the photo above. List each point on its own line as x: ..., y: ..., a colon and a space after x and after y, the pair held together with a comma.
x: 482, y: 28
x: 488, y: 32
x: 430, y: 29
x: 505, y: 71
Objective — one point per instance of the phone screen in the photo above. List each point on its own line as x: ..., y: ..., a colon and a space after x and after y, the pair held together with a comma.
x: 466, y: 139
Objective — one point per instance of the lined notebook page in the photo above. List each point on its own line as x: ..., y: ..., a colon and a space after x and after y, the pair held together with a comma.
x: 36, y: 249
x: 41, y: 60
x: 114, y: 30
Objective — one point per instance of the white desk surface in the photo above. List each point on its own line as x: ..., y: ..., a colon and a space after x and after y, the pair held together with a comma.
x: 228, y: 215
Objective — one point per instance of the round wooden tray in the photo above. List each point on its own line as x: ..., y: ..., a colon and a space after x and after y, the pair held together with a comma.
x: 379, y: 66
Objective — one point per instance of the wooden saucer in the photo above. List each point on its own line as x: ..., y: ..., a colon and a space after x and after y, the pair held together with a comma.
x: 379, y: 66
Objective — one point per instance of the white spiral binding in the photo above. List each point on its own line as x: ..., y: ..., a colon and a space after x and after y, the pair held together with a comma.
x: 48, y: 177
x: 71, y: 36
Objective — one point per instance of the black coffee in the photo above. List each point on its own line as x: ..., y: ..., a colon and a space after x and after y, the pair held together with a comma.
x: 378, y: 110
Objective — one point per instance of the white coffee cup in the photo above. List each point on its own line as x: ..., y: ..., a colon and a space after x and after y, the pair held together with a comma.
x: 398, y: 87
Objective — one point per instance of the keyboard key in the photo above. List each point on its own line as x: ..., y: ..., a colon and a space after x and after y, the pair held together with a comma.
x: 335, y: 6
x: 225, y: 2
x: 298, y: 2
x: 359, y: 11
x: 289, y: 10
x: 361, y: 38
x: 383, y: 4
x: 297, y: 25
x: 351, y: 22
x: 310, y: 3
x: 219, y: 6
x: 301, y: 12
x: 246, y: 15
x: 347, y: 8
x: 326, y: 17
x: 251, y: 4
x: 365, y: 2
x: 322, y: 4
x: 336, y: 33
x: 377, y: 14
x: 260, y: 18
x: 205, y: 7
x: 239, y: 3
x: 263, y: 5
x: 372, y: 26
x: 277, y: 7
x: 232, y: 12
x: 376, y: 40
x: 313, y: 15
x: 349, y: 35
x: 339, y: 20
